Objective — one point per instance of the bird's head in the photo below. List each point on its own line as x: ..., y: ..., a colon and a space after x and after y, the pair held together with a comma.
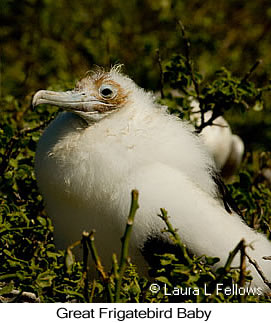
x: 97, y: 95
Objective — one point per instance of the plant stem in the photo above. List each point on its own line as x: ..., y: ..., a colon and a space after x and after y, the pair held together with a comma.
x: 85, y: 262
x: 161, y: 74
x: 90, y: 242
x: 227, y: 266
x: 190, y: 68
x: 125, y: 243
x: 232, y: 255
x: 259, y: 270
x: 252, y: 69
x: 242, y: 298
x: 177, y: 238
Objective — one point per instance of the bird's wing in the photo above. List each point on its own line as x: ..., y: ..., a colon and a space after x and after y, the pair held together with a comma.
x: 192, y: 211
x: 202, y: 223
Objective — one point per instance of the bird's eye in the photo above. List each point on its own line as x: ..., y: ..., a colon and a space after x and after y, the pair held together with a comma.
x: 107, y: 91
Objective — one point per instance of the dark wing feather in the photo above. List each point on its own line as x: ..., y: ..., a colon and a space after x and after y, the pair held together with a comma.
x: 224, y: 194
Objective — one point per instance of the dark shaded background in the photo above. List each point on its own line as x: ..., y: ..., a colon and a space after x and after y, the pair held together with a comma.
x: 51, y: 44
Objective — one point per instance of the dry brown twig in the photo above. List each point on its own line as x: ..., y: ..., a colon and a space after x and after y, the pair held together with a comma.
x: 259, y: 270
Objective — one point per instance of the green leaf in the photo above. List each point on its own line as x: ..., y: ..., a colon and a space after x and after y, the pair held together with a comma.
x: 258, y: 106
x: 45, y: 279
x: 42, y: 221
x: 164, y: 280
x: 69, y: 260
x: 6, y: 289
x: 211, y: 260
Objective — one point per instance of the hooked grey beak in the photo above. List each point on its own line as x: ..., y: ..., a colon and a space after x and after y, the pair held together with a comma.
x: 71, y: 100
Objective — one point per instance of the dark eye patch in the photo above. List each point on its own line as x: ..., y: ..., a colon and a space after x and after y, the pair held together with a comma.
x: 106, y: 92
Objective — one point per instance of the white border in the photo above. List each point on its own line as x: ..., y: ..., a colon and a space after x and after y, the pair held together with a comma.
x: 219, y: 313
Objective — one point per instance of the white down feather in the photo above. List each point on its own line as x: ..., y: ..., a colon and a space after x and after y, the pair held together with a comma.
x: 86, y: 174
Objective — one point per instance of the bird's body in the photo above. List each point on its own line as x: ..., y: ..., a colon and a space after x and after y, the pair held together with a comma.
x: 87, y: 165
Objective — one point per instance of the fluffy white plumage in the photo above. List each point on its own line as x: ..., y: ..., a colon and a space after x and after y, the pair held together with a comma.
x: 114, y: 139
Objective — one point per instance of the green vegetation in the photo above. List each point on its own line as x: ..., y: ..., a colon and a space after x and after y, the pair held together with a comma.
x: 48, y: 44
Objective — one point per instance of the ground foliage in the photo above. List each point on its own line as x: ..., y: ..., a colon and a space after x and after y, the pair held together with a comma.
x: 41, y: 49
